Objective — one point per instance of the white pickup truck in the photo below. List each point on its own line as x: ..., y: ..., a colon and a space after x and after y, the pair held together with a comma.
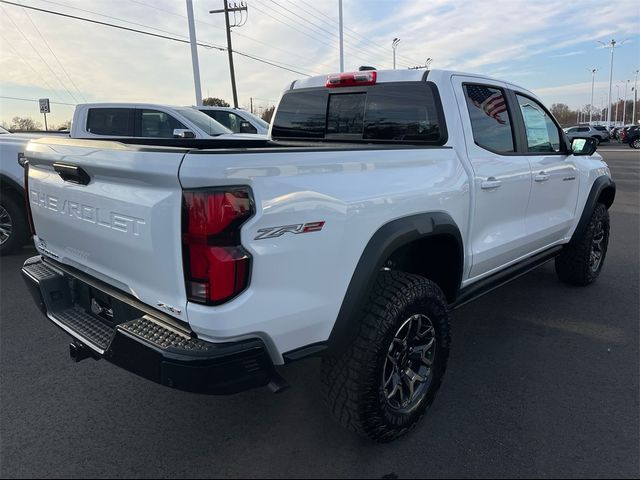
x: 137, y: 123
x: 384, y: 200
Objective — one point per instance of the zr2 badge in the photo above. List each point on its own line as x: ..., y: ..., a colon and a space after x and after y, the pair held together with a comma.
x: 275, y: 232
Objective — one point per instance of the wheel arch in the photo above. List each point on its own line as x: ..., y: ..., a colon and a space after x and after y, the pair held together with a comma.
x: 602, y: 191
x: 411, y: 243
x: 7, y: 184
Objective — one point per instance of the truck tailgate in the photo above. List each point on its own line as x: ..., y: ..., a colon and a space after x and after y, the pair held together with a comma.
x: 113, y: 212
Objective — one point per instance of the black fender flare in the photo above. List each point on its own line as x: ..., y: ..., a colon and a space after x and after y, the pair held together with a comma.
x: 384, y: 242
x: 599, y: 186
x: 11, y: 184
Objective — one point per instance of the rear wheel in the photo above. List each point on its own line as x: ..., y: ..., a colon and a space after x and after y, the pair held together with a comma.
x: 13, y: 224
x: 635, y: 143
x: 382, y: 383
x: 581, y: 261
x: 597, y: 139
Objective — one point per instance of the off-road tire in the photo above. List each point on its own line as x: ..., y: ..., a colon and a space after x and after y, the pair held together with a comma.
x: 575, y: 264
x: 13, y: 207
x: 353, y: 377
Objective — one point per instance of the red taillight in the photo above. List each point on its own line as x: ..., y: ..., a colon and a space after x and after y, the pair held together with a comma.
x: 351, y: 79
x: 216, y: 266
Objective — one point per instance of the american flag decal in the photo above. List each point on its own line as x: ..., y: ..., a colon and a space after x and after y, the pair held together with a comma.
x: 491, y: 101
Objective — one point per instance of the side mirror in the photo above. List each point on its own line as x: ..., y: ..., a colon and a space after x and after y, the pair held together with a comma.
x: 246, y: 127
x: 183, y: 133
x: 584, y: 146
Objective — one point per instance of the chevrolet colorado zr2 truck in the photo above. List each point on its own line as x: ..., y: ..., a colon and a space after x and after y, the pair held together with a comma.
x: 382, y: 201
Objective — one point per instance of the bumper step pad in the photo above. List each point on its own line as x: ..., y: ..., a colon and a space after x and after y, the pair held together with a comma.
x: 142, y: 344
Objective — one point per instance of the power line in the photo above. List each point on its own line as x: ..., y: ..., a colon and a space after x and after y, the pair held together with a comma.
x: 157, y: 35
x: 54, y: 55
x: 349, y: 31
x: 354, y: 47
x: 201, y: 22
x: 38, y: 74
x: 35, y: 100
x: 314, y: 37
x: 38, y: 53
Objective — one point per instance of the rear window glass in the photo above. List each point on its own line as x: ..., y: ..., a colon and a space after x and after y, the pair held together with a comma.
x: 406, y: 112
x: 110, y: 121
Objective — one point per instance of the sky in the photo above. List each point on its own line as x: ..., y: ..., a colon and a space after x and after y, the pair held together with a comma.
x: 548, y: 47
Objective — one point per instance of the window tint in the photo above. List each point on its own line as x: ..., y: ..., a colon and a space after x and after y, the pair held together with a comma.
x: 542, y: 132
x: 204, y: 121
x: 572, y: 130
x: 490, y: 120
x: 405, y: 112
x: 229, y: 120
x: 110, y: 121
x: 346, y: 114
x: 583, y: 129
x: 158, y: 124
x: 301, y: 114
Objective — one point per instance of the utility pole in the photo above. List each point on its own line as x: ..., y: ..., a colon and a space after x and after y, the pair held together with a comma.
x: 394, y: 45
x: 341, y: 36
x: 593, y: 79
x: 194, y: 52
x: 226, y: 10
x: 635, y: 98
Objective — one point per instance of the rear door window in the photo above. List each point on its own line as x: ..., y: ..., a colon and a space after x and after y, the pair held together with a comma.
x: 117, y: 122
x: 490, y: 119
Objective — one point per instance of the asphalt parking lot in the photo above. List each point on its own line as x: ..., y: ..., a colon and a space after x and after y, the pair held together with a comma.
x: 543, y: 381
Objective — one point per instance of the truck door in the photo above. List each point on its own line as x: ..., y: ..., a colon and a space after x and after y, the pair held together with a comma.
x: 554, y: 192
x: 502, y: 177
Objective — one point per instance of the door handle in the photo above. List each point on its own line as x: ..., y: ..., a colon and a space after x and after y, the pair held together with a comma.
x: 490, y: 183
x: 72, y: 173
x: 542, y: 177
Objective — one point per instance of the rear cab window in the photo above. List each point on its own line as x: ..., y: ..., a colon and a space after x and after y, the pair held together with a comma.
x: 398, y: 112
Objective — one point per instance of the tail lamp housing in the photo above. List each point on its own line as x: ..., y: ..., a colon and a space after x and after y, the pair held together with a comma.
x: 216, y: 266
x: 352, y: 79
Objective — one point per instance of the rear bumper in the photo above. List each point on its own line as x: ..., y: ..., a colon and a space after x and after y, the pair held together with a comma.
x: 149, y: 346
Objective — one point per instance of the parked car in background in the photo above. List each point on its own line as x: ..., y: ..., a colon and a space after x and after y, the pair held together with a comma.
x: 631, y: 136
x: 150, y: 124
x: 581, y: 131
x: 235, y: 119
x: 603, y: 130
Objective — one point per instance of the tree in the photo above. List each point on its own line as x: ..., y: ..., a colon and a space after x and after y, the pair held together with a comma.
x: 267, y: 114
x: 214, y: 102
x: 563, y: 114
x: 25, y: 123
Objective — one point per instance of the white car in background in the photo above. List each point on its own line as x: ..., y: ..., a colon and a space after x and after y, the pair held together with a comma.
x: 582, y: 131
x: 149, y: 123
x: 236, y: 119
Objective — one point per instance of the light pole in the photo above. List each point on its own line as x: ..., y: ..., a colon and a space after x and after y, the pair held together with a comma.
x: 617, y: 102
x: 593, y: 79
x: 341, y: 36
x: 635, y: 98
x: 612, y: 46
x: 624, y: 105
x: 394, y: 45
x: 194, y: 52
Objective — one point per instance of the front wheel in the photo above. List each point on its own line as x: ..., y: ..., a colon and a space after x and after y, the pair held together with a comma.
x: 581, y: 261
x: 381, y: 384
x: 635, y: 143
